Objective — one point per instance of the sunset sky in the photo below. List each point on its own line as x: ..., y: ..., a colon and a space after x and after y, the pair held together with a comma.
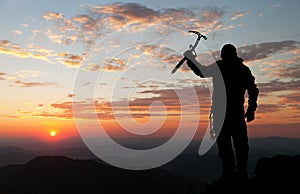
x: 112, y: 59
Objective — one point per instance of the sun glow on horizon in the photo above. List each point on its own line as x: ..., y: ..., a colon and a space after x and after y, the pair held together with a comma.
x: 52, y: 133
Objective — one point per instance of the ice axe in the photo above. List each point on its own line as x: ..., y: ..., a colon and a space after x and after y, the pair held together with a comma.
x: 192, y: 48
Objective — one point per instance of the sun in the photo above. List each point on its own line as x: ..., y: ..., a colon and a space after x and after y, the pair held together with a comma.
x: 52, y: 133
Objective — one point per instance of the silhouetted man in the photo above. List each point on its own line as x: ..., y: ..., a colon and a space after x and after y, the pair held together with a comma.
x: 237, y: 78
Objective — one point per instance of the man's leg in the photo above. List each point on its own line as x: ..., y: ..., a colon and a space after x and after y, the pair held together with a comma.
x: 226, y: 153
x: 240, y: 142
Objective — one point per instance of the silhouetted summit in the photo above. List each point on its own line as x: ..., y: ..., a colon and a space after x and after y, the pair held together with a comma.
x: 59, y: 174
x: 277, y: 174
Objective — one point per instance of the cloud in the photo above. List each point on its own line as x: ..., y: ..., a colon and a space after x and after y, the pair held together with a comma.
x: 92, y: 67
x: 169, y: 98
x: 37, y: 52
x: 296, y: 108
x: 114, y: 64
x: 269, y: 108
x: 292, y: 101
x: 138, y: 107
x: 237, y: 15
x: 65, y: 105
x: 263, y: 50
x: 10, y: 116
x: 86, y: 107
x: 276, y: 86
x: 68, y: 115
x: 28, y: 73
x: 283, y: 68
x: 131, y: 12
x: 70, y: 60
x: 266, y: 49
x: 104, y: 19
x: 52, y: 16
x: 62, y: 30
x: 206, y: 19
x: 82, y: 19
x: 32, y: 84
x: 211, y: 14
x: 70, y: 95
x: 257, y: 52
x: 1, y: 76
x: 161, y: 53
x: 290, y: 98
x: 71, y: 63
x: 17, y: 32
x: 276, y: 5
x: 9, y: 48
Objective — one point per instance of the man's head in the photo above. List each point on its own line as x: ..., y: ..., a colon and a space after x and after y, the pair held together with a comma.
x: 228, y: 52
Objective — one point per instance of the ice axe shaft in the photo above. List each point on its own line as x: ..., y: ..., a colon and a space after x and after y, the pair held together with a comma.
x: 178, y: 65
x: 192, y: 47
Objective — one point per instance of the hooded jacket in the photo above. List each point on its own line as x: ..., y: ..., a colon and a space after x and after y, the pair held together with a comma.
x: 237, y: 79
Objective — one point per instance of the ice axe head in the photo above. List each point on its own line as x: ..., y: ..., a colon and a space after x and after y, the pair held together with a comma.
x: 199, y: 35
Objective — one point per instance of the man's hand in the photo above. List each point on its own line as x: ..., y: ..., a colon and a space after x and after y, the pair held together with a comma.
x: 190, y: 55
x: 250, y: 116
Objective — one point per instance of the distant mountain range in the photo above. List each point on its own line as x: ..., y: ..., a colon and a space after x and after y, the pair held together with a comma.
x: 60, y: 174
x: 187, y: 164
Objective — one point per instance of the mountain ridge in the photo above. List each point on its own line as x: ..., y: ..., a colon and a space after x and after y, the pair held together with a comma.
x: 60, y: 174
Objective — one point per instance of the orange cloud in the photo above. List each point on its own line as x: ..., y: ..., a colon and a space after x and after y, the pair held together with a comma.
x: 138, y: 107
x: 132, y: 12
x: 255, y: 52
x: 269, y: 108
x: 65, y: 115
x: 27, y: 73
x: 70, y: 95
x: 9, y: 48
x: 292, y: 102
x: 1, y: 76
x: 71, y: 63
x: 237, y: 15
x: 114, y: 64
x: 69, y: 60
x: 159, y: 53
x: 266, y: 49
x: 17, y: 32
x: 4, y: 43
x: 283, y: 68
x: 92, y: 67
x: 52, y: 15
x: 210, y: 14
x: 33, y: 84
x: 37, y: 52
x: 10, y: 116
x: 81, y: 18
x: 105, y: 19
x: 291, y: 98
x: 277, y: 86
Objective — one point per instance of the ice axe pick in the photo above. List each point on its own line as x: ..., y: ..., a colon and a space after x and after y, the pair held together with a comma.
x: 192, y: 48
